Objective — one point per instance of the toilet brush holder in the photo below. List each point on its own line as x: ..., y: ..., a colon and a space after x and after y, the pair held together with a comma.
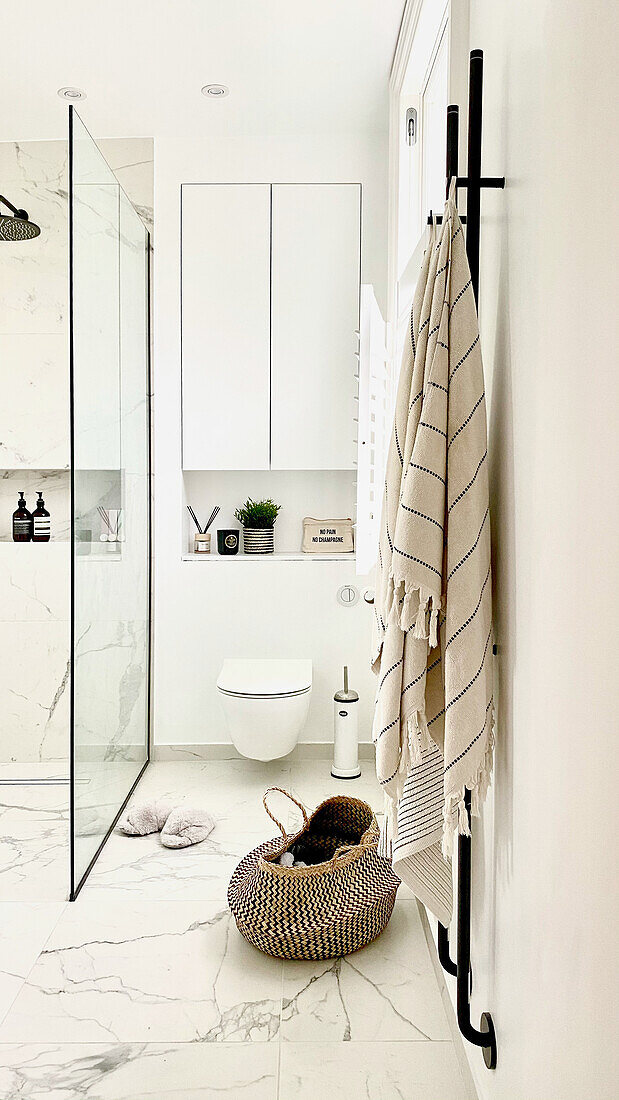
x: 345, y: 733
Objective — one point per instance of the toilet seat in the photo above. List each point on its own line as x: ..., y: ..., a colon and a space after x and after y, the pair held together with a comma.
x: 265, y: 679
x: 246, y: 695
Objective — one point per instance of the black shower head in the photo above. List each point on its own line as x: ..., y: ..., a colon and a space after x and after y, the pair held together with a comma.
x: 16, y: 226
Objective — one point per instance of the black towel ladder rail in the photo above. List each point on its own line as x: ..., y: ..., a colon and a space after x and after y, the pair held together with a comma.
x: 473, y: 182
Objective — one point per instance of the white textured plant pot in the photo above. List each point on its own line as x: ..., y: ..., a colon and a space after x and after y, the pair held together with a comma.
x: 258, y: 540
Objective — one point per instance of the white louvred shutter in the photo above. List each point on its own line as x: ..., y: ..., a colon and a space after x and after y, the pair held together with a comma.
x: 375, y: 414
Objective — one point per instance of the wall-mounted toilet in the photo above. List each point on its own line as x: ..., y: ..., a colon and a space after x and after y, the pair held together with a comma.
x: 265, y: 703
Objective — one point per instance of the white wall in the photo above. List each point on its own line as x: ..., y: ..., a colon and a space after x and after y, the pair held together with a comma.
x: 544, y: 946
x: 205, y: 612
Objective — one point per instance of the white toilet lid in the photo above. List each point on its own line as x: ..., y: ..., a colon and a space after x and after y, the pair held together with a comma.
x: 259, y: 677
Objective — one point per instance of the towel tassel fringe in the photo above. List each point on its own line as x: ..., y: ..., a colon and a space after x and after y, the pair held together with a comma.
x: 455, y: 817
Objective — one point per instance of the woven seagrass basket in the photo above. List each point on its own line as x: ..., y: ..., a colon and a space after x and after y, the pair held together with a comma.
x: 330, y: 908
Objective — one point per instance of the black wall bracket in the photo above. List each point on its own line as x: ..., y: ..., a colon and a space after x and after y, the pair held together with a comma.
x: 485, y: 1037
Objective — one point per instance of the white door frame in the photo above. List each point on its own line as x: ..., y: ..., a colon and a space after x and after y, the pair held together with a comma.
x: 418, y: 15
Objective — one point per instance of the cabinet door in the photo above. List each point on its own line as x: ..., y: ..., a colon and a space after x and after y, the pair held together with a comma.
x: 315, y: 313
x: 225, y: 272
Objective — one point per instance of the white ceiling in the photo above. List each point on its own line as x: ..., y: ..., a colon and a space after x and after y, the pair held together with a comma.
x: 293, y: 66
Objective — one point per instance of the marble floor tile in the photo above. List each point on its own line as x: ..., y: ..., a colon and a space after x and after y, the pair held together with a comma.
x: 136, y: 1071
x: 144, y: 987
x: 25, y: 771
x: 312, y: 782
x: 138, y: 972
x: 386, y: 991
x: 231, y: 790
x: 25, y: 927
x: 140, y: 867
x: 34, y: 842
x: 372, y: 1071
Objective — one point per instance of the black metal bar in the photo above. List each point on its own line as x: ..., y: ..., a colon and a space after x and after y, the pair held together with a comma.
x: 453, y: 134
x: 484, y: 181
x: 438, y: 218
x: 485, y: 1037
x: 18, y: 213
x: 445, y: 958
x: 149, y: 482
x: 72, y: 775
x: 451, y: 170
x: 473, y: 199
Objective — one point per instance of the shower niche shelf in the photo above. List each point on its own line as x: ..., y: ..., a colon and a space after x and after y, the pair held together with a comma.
x: 325, y: 494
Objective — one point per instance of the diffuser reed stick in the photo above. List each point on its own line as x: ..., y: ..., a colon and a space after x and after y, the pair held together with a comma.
x: 193, y: 516
x: 214, y: 513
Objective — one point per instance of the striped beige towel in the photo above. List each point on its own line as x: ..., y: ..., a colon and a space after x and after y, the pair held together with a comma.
x: 433, y: 645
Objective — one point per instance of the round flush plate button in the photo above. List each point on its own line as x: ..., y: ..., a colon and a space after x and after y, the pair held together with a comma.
x: 347, y: 595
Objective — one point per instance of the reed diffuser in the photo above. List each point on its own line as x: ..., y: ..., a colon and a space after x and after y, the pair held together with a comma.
x: 202, y: 540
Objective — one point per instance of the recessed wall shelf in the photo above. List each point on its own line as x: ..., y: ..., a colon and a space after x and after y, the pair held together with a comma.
x: 284, y: 556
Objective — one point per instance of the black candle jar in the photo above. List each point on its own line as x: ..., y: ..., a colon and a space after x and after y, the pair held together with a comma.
x: 228, y: 541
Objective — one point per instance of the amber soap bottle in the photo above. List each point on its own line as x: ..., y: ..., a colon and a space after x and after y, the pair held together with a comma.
x: 41, y: 522
x: 22, y: 521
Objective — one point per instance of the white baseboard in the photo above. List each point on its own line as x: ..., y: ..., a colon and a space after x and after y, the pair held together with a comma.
x: 314, y: 750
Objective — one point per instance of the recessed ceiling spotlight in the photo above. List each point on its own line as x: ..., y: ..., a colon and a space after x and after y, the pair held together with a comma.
x: 71, y: 93
x: 217, y: 91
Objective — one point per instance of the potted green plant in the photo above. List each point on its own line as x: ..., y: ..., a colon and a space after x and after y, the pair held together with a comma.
x: 258, y: 520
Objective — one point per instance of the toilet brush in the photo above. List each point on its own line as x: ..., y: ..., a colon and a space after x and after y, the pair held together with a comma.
x: 345, y: 733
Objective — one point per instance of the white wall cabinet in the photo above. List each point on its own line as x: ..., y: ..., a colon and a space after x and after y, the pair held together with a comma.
x: 226, y: 308
x: 314, y: 316
x: 270, y: 306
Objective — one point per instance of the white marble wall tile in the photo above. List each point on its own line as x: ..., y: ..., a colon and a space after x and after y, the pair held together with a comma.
x: 384, y: 992
x: 171, y: 972
x: 134, y: 1071
x: 132, y: 160
x: 25, y: 929
x: 34, y: 843
x: 34, y: 695
x: 35, y: 298
x: 110, y: 688
x: 110, y: 584
x: 33, y: 583
x: 374, y: 1071
x: 34, y: 424
x: 34, y: 434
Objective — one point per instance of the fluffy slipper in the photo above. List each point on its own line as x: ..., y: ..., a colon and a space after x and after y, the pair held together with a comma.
x: 186, y: 826
x: 145, y: 817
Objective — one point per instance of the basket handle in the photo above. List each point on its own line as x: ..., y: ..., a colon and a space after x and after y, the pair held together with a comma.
x: 369, y: 840
x: 281, y: 790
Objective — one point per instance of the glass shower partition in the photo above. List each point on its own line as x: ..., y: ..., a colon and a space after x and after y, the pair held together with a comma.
x: 111, y: 513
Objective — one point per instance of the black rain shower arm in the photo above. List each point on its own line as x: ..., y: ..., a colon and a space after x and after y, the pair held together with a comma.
x: 23, y: 214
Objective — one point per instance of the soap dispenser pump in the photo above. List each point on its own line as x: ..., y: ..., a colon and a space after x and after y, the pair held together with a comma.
x: 22, y: 521
x: 41, y: 522
x: 345, y: 733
